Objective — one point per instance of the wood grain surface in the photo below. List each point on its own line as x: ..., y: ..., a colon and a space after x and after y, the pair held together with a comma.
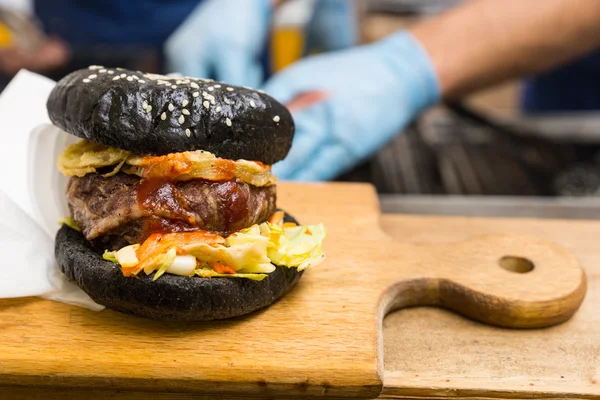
x: 432, y: 353
x: 322, y: 339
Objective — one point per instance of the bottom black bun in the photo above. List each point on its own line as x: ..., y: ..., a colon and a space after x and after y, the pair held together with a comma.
x: 172, y: 297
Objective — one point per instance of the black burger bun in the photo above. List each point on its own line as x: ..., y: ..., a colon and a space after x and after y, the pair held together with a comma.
x: 151, y: 114
x: 171, y: 297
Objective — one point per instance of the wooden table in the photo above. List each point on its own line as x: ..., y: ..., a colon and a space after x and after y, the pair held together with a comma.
x: 429, y: 348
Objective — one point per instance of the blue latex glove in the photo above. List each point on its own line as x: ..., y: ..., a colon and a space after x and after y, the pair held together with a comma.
x: 374, y: 92
x: 333, y: 26
x: 223, y: 40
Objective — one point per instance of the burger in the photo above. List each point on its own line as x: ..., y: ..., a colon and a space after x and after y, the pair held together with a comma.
x: 172, y: 203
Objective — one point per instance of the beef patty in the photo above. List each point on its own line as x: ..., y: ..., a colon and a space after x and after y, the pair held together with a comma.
x: 118, y: 210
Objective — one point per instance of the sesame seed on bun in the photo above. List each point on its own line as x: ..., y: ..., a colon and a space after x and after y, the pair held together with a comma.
x: 150, y: 114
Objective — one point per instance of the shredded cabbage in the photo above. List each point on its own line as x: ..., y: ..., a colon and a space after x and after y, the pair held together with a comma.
x: 163, y: 263
x: 183, y: 265
x: 244, y: 253
x: 299, y: 246
x: 126, y: 256
x: 252, y: 253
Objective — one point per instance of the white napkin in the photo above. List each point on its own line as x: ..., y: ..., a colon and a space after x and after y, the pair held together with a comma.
x: 32, y: 195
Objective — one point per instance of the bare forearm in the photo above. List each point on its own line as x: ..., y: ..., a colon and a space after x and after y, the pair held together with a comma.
x: 487, y: 41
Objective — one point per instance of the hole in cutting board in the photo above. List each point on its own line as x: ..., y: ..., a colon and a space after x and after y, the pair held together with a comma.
x: 516, y: 264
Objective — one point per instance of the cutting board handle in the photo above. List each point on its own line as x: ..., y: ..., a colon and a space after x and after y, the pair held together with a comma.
x: 503, y: 280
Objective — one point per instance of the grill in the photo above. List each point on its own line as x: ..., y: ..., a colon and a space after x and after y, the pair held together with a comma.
x: 455, y: 150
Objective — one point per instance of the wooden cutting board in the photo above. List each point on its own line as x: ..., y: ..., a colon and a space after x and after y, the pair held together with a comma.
x: 464, y: 359
x: 322, y: 339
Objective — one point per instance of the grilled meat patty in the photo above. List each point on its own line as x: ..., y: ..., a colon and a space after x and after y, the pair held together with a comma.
x: 122, y: 209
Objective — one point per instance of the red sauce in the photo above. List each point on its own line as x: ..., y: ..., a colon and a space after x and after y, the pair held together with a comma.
x: 172, y: 165
x: 225, y: 170
x: 166, y: 167
x: 222, y: 268
x: 260, y: 164
x: 158, y: 193
x: 234, y: 201
x: 164, y: 225
x: 160, y: 196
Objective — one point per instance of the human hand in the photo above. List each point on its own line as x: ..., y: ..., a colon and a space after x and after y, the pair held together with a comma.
x: 372, y: 92
x: 222, y: 36
x: 333, y: 26
x: 52, y: 54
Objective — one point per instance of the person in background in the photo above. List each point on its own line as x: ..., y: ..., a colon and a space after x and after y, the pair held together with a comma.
x: 368, y: 93
x: 128, y: 34
x: 373, y: 91
x: 226, y: 39
x: 221, y: 39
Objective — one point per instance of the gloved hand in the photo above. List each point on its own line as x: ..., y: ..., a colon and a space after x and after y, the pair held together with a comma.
x: 222, y: 36
x: 332, y: 26
x: 372, y: 92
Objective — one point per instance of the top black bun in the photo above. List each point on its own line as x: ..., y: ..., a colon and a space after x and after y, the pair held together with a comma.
x: 157, y: 115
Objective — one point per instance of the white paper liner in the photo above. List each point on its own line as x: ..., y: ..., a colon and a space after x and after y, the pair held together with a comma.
x: 32, y: 198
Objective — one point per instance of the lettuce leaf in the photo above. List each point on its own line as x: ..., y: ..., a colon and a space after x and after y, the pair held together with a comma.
x: 110, y: 256
x: 209, y: 273
x: 68, y: 221
x: 299, y: 246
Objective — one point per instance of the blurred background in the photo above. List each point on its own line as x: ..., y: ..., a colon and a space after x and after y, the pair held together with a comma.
x: 481, y: 156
